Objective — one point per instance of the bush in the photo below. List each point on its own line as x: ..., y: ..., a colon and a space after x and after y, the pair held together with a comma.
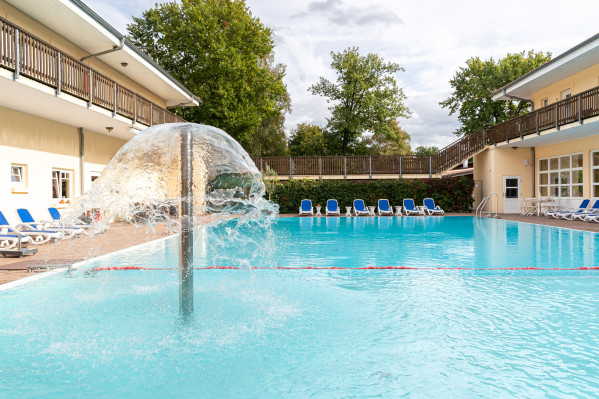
x: 453, y: 194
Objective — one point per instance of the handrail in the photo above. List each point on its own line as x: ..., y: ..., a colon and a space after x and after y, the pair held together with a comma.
x: 481, y: 206
x: 27, y: 55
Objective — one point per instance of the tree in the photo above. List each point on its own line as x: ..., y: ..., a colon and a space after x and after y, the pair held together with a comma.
x: 365, y: 98
x: 396, y: 144
x: 218, y: 50
x: 425, y: 151
x: 307, y: 140
x: 473, y: 84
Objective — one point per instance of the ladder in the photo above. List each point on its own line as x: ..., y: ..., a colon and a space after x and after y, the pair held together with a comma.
x: 481, y: 206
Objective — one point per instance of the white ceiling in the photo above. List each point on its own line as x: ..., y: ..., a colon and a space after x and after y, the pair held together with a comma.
x: 569, y: 132
x: 75, y: 24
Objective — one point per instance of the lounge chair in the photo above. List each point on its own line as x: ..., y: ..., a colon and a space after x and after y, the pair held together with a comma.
x: 594, y: 210
x: 29, y: 224
x: 36, y: 236
x: 360, y: 208
x: 384, y: 207
x: 410, y: 208
x: 562, y: 214
x: 11, y: 238
x: 332, y: 207
x: 57, y: 219
x: 430, y: 208
x: 306, y: 207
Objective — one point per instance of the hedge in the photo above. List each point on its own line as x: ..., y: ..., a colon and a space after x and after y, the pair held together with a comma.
x: 451, y: 194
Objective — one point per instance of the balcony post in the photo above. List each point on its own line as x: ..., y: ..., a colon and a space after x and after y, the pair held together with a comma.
x: 430, y: 166
x: 400, y: 157
x: 134, y: 108
x: 556, y: 117
x: 261, y: 170
x: 370, y: 167
x: 17, y: 55
x: 290, y: 168
x: 537, y: 121
x: 345, y: 167
x: 151, y: 114
x: 115, y: 101
x: 59, y: 73
x: 320, y: 168
x: 579, y: 110
x: 89, y: 88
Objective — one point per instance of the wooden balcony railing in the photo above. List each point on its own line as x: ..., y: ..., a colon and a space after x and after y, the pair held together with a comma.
x: 26, y: 55
x: 570, y: 110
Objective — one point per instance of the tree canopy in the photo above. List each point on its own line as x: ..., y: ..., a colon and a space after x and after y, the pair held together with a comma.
x: 473, y: 84
x: 223, y: 54
x: 365, y: 98
x: 423, y: 151
x: 307, y: 140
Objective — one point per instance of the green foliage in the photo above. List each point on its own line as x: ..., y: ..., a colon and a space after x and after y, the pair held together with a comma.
x: 473, y: 84
x: 424, y: 151
x: 452, y: 194
x: 306, y: 140
x: 395, y: 143
x: 271, y: 183
x: 223, y: 54
x: 365, y: 98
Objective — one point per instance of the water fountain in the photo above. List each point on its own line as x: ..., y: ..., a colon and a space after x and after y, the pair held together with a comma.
x: 181, y: 175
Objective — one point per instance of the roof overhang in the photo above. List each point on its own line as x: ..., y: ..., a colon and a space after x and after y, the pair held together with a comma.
x: 577, y: 59
x: 76, y: 22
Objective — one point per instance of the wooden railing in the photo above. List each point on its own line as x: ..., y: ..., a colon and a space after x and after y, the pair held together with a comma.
x: 26, y: 55
x: 570, y: 110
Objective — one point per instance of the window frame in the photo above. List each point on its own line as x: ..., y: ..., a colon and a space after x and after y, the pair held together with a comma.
x: 593, y: 169
x: 558, y: 187
x: 60, y: 179
x: 19, y: 187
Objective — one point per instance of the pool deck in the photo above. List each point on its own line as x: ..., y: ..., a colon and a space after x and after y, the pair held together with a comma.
x: 125, y: 235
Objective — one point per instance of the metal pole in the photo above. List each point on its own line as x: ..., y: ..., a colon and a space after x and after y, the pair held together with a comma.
x: 400, y: 167
x: 320, y: 167
x: 370, y: 167
x: 345, y: 167
x: 58, y: 73
x: 290, y: 168
x: 115, y: 101
x: 430, y: 166
x: 90, y: 87
x: 186, y: 216
x: 579, y: 111
x: 17, y: 55
x: 556, y: 117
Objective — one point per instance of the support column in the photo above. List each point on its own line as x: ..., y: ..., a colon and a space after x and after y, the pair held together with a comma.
x: 81, y: 161
x: 186, y: 216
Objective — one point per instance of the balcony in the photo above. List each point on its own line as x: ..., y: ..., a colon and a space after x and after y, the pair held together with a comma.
x: 535, y: 128
x: 25, y: 55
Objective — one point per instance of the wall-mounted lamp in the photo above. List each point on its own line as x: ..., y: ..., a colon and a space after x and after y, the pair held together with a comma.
x: 109, y: 128
x: 124, y: 64
x: 525, y: 161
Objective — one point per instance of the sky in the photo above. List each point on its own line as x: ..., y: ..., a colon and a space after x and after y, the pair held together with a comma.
x: 430, y: 39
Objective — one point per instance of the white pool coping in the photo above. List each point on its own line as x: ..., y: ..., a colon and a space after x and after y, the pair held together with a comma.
x: 39, y: 276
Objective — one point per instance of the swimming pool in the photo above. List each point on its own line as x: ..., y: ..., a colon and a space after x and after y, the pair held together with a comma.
x: 319, y: 333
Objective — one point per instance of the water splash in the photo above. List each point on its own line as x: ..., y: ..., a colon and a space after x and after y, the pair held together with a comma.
x: 142, y: 183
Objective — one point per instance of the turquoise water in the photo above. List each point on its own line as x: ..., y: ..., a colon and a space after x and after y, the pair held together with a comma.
x: 319, y: 333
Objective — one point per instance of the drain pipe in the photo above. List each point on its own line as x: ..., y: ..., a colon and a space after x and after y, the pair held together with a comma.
x: 82, y: 160
x: 186, y: 217
x: 534, y: 162
x: 112, y: 50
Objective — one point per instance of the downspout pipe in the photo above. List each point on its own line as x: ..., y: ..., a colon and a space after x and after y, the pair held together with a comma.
x: 112, y: 50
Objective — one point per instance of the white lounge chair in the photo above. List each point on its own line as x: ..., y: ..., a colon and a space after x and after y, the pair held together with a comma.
x: 37, y: 236
x: 567, y: 212
x: 594, y: 210
x: 306, y: 207
x: 410, y: 208
x: 384, y: 207
x: 332, y: 207
x: 360, y: 208
x: 57, y: 220
x: 431, y: 208
x: 28, y: 223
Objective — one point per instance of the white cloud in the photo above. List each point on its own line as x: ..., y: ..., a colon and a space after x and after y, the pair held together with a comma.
x: 430, y: 39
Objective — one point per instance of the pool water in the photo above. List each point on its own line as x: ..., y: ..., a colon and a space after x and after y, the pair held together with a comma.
x: 272, y: 333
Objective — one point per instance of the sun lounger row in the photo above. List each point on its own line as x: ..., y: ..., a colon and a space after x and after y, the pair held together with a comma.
x: 384, y: 208
x: 31, y: 232
x: 583, y: 212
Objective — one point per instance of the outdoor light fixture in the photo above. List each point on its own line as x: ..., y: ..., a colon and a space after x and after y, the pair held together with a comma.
x: 525, y: 161
x: 109, y: 128
x: 124, y: 64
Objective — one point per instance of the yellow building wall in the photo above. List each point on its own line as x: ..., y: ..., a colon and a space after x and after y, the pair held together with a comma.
x: 493, y: 164
x: 30, y: 25
x: 579, y: 82
x: 41, y: 145
x: 584, y: 146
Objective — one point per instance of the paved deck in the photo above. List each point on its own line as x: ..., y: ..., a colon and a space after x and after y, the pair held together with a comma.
x: 121, y: 236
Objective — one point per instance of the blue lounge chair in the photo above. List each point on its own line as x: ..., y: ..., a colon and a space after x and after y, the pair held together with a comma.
x: 360, y: 208
x: 332, y: 207
x: 384, y: 207
x: 306, y: 207
x: 36, y: 236
x: 410, y: 208
x: 57, y: 219
x: 561, y: 214
x: 430, y: 208
x: 594, y: 210
x: 30, y: 224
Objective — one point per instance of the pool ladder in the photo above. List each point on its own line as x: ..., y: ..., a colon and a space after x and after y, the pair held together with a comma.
x: 481, y: 206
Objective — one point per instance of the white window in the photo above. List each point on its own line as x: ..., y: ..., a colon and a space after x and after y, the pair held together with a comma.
x: 566, y: 94
x: 17, y: 175
x: 61, y: 183
x: 545, y: 102
x: 595, y: 173
x: 561, y: 176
